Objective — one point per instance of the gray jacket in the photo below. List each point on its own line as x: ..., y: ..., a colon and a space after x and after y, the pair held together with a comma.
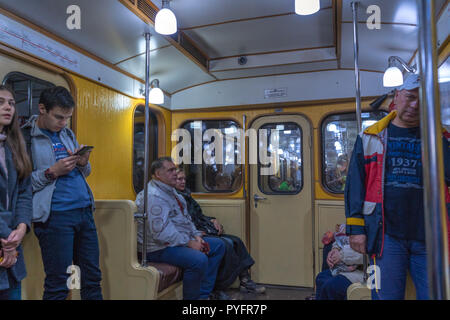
x: 168, y: 225
x: 43, y: 158
x: 19, y: 211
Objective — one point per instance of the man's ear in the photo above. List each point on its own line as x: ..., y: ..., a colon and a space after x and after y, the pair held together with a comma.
x: 156, y: 175
x: 42, y: 109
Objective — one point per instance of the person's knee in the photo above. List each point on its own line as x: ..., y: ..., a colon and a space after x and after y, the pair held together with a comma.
x: 199, y: 262
x: 321, y: 278
x: 217, y: 247
x: 335, y: 289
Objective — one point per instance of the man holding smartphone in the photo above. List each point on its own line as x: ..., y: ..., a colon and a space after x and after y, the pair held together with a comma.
x: 63, y: 202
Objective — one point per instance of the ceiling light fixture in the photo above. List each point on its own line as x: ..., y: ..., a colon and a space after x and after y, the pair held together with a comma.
x: 165, y: 21
x: 156, y: 96
x: 306, y: 7
x: 393, y: 76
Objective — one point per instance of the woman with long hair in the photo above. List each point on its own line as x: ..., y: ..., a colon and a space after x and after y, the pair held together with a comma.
x: 15, y: 197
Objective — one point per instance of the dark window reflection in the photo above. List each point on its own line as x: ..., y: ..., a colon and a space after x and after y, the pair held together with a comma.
x: 138, y: 146
x: 339, y: 134
x: 28, y: 90
x: 217, y: 176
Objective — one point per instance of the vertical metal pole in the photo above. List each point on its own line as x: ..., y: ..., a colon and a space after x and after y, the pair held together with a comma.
x: 356, y: 56
x: 358, y: 88
x: 432, y: 156
x: 146, y: 149
x: 244, y: 120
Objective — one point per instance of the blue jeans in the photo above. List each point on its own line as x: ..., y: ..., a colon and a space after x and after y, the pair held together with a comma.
x: 329, y: 287
x: 326, y: 250
x: 14, y: 292
x: 398, y: 257
x: 199, y: 269
x: 70, y: 238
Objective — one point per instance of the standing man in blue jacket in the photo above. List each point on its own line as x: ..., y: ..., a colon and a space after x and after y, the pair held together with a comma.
x: 62, y: 200
x: 384, y: 197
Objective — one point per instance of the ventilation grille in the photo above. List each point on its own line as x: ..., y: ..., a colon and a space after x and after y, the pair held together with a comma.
x: 146, y: 9
x: 189, y: 47
x: 132, y: 2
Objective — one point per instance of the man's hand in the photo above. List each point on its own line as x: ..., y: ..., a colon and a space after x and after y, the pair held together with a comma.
x: 217, y: 225
x: 358, y: 243
x: 83, y: 159
x: 14, y: 238
x: 64, y: 166
x: 334, y: 256
x: 196, y: 244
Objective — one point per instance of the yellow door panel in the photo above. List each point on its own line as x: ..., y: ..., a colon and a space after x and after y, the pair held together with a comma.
x: 281, y: 223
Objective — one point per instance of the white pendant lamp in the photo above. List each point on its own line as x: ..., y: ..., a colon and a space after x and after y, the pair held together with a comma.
x: 393, y: 77
x: 306, y: 7
x: 156, y: 96
x: 165, y: 21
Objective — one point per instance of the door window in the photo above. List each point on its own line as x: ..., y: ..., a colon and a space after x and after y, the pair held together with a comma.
x: 280, y: 155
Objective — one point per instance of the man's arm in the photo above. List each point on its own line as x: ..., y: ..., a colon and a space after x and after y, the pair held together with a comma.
x: 86, y: 169
x: 39, y: 181
x: 355, y: 192
x: 161, y: 225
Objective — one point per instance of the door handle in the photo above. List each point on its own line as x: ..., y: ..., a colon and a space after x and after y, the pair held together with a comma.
x: 257, y: 198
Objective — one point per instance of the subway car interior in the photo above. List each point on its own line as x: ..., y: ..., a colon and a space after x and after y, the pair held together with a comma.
x: 232, y: 68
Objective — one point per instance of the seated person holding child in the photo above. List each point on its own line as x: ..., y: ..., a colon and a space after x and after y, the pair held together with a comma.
x: 345, y: 268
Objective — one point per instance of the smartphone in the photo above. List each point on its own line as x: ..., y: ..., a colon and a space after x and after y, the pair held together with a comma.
x: 83, y: 150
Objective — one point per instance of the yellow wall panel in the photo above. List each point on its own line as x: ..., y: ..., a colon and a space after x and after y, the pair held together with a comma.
x: 104, y: 119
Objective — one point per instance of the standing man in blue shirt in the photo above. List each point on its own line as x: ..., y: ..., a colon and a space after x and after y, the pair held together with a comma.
x: 384, y: 196
x: 62, y: 200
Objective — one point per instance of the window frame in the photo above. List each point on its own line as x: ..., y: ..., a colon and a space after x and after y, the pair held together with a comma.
x: 154, y: 155
x: 29, y: 79
x: 322, y: 146
x: 285, y: 193
x: 208, y: 191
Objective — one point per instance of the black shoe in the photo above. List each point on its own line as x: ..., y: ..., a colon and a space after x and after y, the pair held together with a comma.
x: 248, y: 285
x: 219, y: 295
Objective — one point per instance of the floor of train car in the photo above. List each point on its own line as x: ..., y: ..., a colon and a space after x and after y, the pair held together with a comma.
x: 273, y: 293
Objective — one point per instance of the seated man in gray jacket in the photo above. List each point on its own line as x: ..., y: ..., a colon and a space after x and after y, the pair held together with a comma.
x: 172, y: 237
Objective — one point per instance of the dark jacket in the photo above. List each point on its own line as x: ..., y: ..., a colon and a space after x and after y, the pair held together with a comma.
x: 202, y: 222
x: 19, y: 211
x: 236, y: 258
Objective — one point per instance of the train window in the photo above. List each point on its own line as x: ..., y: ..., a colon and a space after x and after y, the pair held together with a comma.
x: 215, y: 176
x: 444, y: 88
x: 139, y: 146
x: 339, y: 134
x: 28, y: 91
x: 287, y: 174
